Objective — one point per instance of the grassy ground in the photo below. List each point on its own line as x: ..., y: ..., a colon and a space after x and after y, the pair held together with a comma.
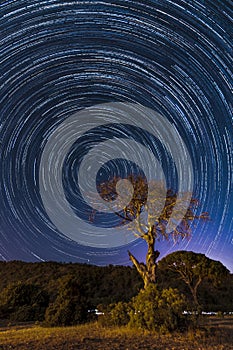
x: 218, y: 336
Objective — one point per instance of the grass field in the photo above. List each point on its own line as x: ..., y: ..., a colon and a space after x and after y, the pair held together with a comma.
x: 218, y: 335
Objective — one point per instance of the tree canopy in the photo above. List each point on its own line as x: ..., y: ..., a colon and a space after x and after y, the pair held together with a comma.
x: 193, y: 269
x: 150, y: 211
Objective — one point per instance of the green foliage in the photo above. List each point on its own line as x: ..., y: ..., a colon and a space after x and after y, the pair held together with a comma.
x: 26, y: 290
x: 115, y: 314
x: 158, y: 310
x: 151, y: 309
x: 70, y: 307
x: 23, y: 302
x: 193, y: 269
x: 65, y: 313
x: 120, y: 314
x: 102, y: 285
x: 193, y: 266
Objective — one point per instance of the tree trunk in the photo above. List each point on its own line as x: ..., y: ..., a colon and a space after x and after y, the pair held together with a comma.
x: 147, y: 271
x: 194, y: 292
x: 141, y: 268
x: 151, y: 258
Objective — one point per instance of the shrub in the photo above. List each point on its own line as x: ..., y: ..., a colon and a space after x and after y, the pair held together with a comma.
x: 23, y: 302
x: 70, y: 307
x: 115, y: 314
x: 158, y: 310
x: 65, y: 313
x: 151, y: 309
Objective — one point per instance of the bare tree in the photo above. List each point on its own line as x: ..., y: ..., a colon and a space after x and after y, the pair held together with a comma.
x: 148, y: 213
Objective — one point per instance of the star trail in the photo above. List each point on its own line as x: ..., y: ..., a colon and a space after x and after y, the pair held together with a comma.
x: 93, y: 88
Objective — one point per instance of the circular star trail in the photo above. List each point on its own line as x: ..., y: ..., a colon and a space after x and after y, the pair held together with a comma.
x: 62, y: 58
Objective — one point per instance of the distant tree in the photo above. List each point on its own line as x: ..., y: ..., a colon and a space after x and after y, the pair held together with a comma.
x: 193, y: 269
x: 156, y: 209
x: 101, y: 284
x: 23, y: 302
x: 70, y: 306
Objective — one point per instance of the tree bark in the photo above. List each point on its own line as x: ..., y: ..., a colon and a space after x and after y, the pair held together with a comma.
x: 147, y: 271
x: 141, y: 268
x: 194, y: 292
x: 151, y: 258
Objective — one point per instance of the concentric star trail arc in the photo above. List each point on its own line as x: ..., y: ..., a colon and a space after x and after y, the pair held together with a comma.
x: 59, y: 58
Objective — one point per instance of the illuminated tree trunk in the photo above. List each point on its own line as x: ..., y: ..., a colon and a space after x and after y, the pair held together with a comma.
x: 147, y: 271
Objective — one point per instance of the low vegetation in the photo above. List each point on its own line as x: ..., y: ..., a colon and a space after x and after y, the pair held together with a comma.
x: 37, y: 299
x: 152, y: 309
x: 93, y: 337
x: 67, y: 294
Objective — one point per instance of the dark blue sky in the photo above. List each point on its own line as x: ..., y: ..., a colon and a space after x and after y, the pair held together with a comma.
x: 59, y: 57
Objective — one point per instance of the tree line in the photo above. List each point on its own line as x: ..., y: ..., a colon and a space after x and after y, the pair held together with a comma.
x: 68, y: 293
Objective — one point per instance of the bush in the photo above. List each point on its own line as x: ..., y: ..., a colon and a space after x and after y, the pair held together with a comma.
x: 65, y: 313
x: 70, y: 307
x: 115, y: 314
x: 151, y: 309
x: 23, y: 302
x: 23, y: 314
x: 158, y: 310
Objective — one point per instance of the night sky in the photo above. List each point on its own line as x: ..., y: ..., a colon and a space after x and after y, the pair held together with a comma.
x: 94, y: 89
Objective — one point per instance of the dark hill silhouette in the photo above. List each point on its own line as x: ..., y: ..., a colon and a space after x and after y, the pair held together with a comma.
x: 27, y: 290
